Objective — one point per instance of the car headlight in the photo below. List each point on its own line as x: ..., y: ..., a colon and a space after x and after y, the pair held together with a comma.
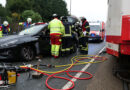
x: 97, y: 33
x: 8, y: 43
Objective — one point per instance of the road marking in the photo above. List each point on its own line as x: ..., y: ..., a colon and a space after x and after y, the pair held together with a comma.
x: 68, y: 84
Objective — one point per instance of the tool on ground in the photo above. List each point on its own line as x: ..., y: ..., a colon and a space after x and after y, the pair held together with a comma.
x: 8, y: 75
x: 75, y: 61
x: 35, y: 74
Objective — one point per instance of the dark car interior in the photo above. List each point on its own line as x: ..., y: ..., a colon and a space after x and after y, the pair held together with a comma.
x: 44, y: 40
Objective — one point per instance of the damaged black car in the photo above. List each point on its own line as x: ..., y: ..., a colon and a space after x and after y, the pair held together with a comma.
x: 26, y: 44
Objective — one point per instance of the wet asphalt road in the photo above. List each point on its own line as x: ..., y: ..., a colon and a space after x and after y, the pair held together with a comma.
x: 23, y: 83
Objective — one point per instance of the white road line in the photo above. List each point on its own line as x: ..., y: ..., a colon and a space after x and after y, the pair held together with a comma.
x: 68, y: 84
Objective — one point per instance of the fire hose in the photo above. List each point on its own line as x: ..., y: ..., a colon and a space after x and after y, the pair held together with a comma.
x: 77, y: 60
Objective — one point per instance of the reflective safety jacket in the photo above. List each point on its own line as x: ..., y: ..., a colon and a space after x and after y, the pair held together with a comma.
x: 6, y: 29
x: 85, y: 26
x: 68, y: 29
x: 25, y: 24
x: 1, y: 33
x: 56, y: 27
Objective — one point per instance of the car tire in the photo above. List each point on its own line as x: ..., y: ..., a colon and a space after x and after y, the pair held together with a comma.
x: 27, y: 53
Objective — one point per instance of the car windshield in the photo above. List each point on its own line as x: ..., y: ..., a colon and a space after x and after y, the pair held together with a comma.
x: 95, y: 27
x: 71, y: 20
x: 32, y: 30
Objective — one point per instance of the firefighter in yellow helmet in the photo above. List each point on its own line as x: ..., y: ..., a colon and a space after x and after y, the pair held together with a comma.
x: 4, y: 29
x: 56, y: 31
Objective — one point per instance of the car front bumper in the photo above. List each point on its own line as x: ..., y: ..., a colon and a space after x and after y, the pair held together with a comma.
x: 94, y: 38
x: 9, y: 53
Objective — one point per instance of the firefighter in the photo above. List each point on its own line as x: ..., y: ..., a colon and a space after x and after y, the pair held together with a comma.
x: 78, y: 28
x: 4, y: 29
x: 56, y: 31
x: 26, y: 24
x: 67, y: 37
x: 83, y: 40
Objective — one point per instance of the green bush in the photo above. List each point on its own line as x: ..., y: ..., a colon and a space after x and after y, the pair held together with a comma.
x: 36, y: 17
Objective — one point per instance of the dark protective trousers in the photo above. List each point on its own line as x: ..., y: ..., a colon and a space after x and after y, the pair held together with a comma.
x: 83, y: 45
x: 67, y: 45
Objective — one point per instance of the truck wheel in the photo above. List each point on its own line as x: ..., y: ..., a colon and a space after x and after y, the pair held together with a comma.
x: 27, y: 53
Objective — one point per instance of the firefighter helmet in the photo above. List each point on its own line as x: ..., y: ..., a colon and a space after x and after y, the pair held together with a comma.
x: 5, y: 23
x: 54, y: 15
x: 64, y: 18
x: 83, y: 18
x: 29, y: 20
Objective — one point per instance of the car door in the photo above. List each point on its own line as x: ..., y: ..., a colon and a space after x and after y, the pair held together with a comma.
x: 44, y: 41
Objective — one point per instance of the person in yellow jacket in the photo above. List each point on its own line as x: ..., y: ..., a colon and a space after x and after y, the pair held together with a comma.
x: 1, y: 34
x: 4, y: 29
x: 56, y: 31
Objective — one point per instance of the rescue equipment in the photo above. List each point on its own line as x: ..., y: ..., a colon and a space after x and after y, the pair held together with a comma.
x: 8, y: 75
x: 75, y: 61
x: 35, y: 74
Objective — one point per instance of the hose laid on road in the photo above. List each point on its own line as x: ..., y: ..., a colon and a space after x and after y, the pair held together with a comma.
x: 77, y: 60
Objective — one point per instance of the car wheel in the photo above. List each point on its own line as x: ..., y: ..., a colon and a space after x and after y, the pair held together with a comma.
x: 27, y: 53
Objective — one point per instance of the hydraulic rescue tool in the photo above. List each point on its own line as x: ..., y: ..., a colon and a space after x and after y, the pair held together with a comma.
x: 8, y: 75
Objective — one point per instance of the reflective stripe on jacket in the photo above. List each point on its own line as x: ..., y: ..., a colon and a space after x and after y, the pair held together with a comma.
x: 68, y: 31
x: 56, y: 26
x: 1, y: 33
x: 25, y: 24
x: 5, y: 30
x: 86, y: 26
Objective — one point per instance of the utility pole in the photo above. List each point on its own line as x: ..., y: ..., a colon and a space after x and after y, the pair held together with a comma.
x: 70, y: 6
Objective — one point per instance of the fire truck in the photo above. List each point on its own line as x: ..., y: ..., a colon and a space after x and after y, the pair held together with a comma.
x: 97, y: 31
x: 118, y: 37
x: 118, y: 28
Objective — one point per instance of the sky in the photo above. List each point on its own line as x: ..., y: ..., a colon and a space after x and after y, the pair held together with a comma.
x: 3, y: 2
x: 93, y: 10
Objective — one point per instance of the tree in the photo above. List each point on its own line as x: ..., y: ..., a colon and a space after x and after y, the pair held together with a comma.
x: 16, y: 16
x: 36, y: 17
x: 44, y: 7
x: 2, y: 11
x: 18, y: 6
x: 48, y: 7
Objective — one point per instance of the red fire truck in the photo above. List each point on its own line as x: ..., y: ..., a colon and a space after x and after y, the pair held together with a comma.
x: 118, y: 27
x: 118, y: 38
x: 97, y: 31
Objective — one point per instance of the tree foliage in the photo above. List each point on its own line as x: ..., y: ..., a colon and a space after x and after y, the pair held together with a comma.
x: 18, y: 6
x: 2, y: 11
x: 36, y: 17
x: 16, y: 16
x: 48, y: 7
x: 44, y: 7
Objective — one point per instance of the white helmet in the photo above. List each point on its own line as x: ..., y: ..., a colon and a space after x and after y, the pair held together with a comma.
x: 29, y: 20
x: 5, y: 23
